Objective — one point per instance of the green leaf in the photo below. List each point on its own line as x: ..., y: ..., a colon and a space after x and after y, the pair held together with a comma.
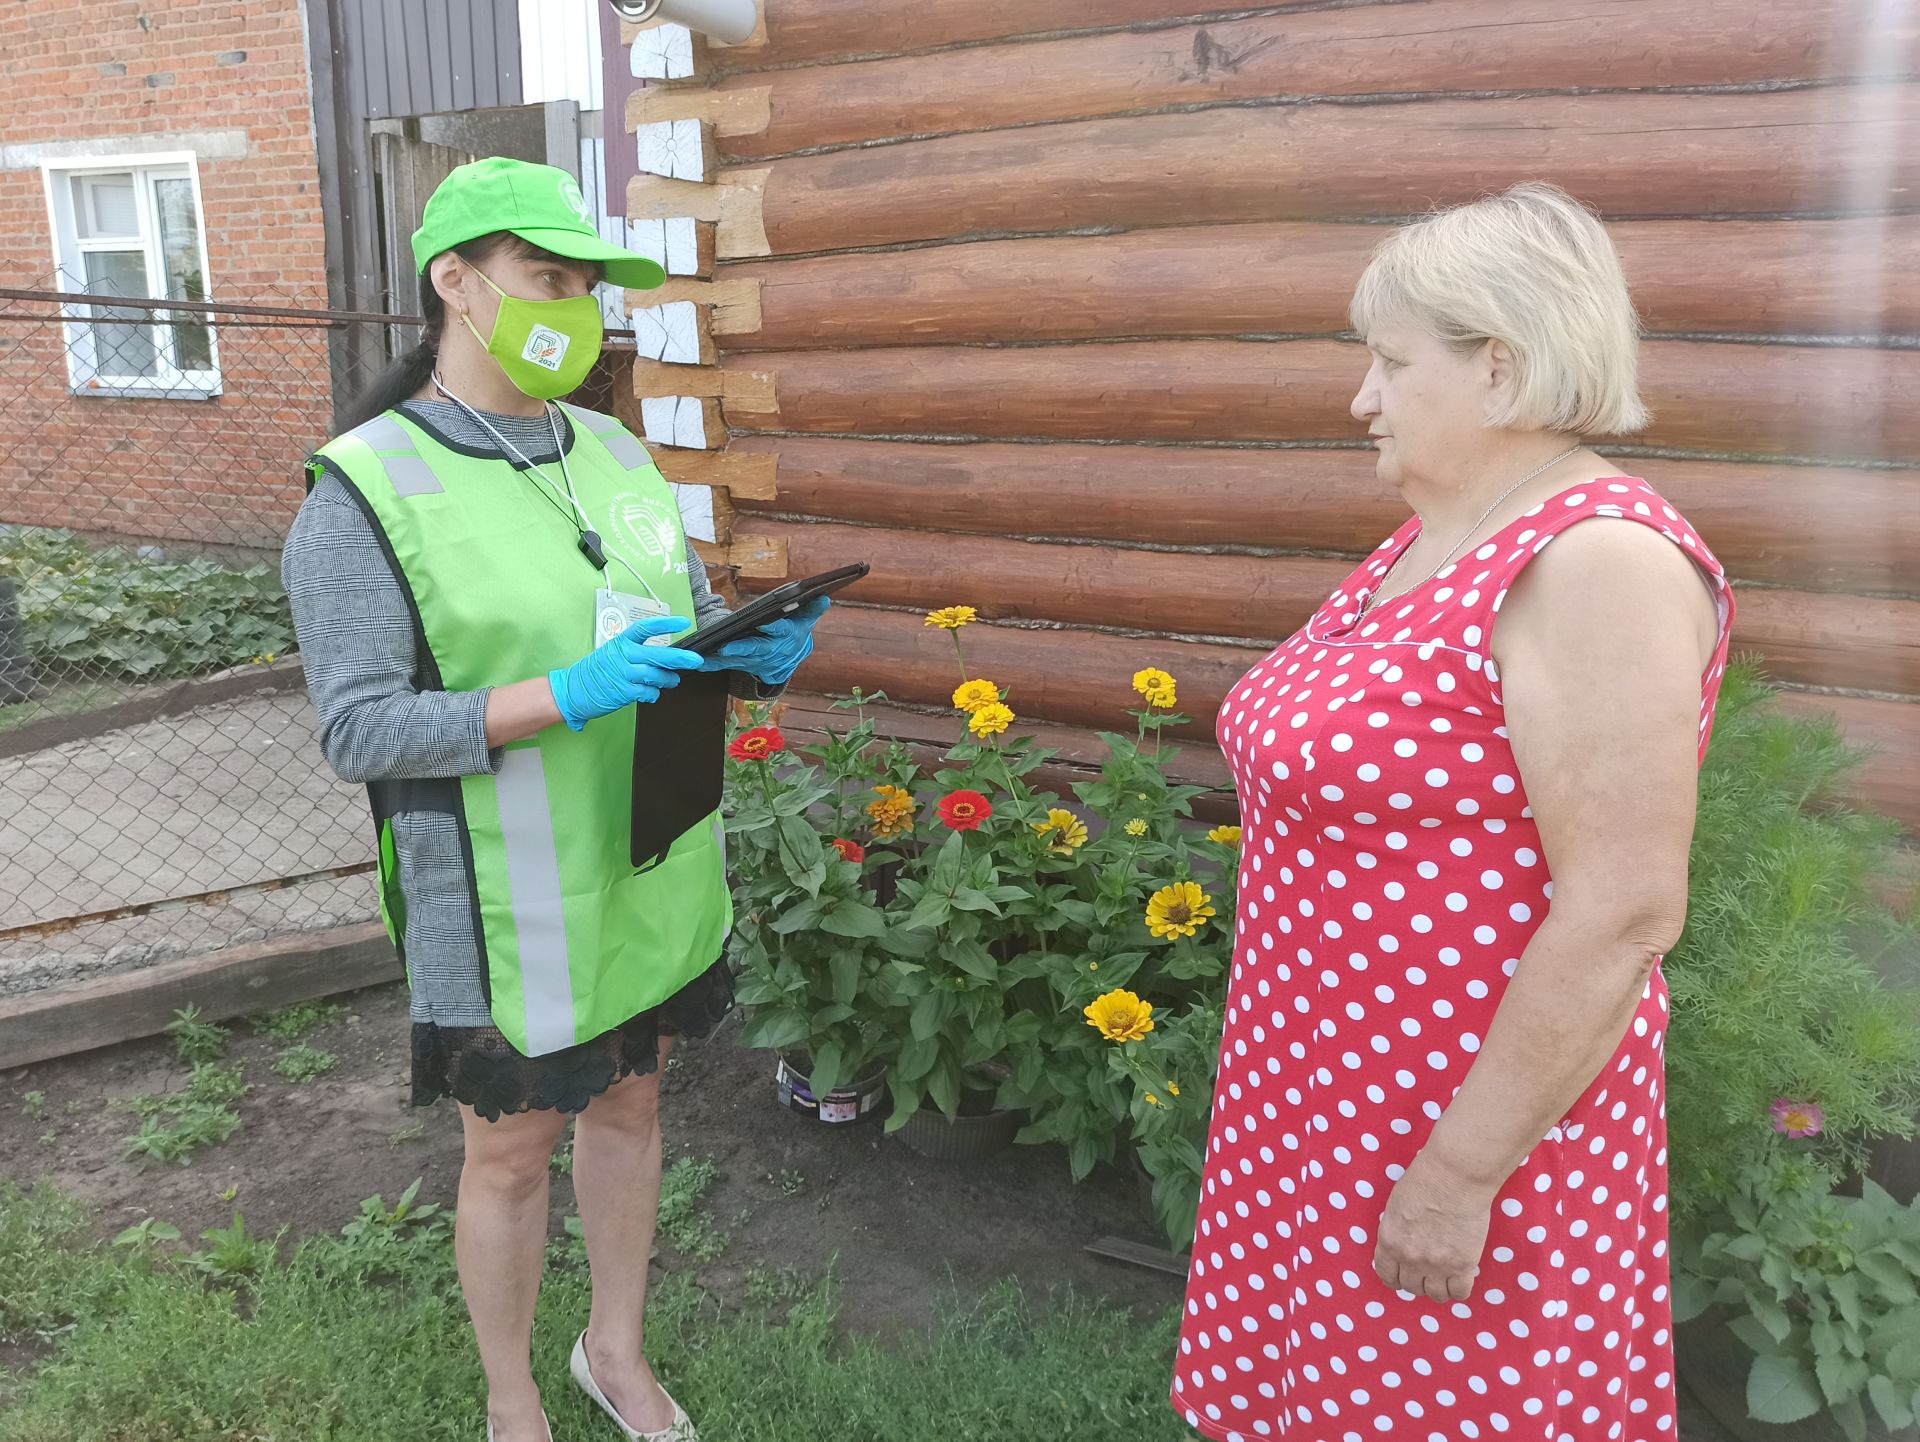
x: 774, y: 1030
x: 943, y: 1085
x: 1894, y: 1408
x: 917, y: 1056
x: 829, y: 1067
x: 1771, y: 1315
x: 1781, y: 1390
x: 929, y: 1011
x: 1756, y: 1337
x: 1895, y: 1283
x: 798, y: 918
x: 1691, y: 1296
x: 932, y: 910
x: 844, y: 969
x: 1840, y: 1377
x: 853, y: 919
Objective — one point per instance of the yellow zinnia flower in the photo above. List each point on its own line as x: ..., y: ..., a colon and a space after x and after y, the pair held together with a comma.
x: 1063, y: 832
x: 1225, y: 835
x: 1178, y: 910
x: 1156, y: 685
x: 972, y: 695
x: 1136, y: 827
x: 951, y: 618
x: 990, y: 719
x: 892, y: 813
x: 1120, y: 1016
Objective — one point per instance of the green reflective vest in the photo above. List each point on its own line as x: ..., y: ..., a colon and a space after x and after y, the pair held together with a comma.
x: 573, y: 940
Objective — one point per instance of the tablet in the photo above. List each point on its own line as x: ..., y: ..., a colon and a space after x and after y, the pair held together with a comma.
x: 770, y: 607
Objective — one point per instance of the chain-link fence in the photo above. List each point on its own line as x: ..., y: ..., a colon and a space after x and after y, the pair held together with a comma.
x: 161, y: 789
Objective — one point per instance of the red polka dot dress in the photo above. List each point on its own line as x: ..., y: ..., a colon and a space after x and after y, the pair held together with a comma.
x: 1390, y: 878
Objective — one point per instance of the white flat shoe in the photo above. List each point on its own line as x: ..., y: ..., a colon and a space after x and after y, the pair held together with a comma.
x: 543, y: 1418
x: 678, y: 1430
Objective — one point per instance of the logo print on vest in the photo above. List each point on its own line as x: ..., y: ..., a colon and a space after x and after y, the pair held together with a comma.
x: 647, y: 525
x: 545, y: 347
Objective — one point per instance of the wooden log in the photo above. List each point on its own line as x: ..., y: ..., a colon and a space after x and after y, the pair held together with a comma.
x: 733, y: 304
x: 1844, y: 148
x: 744, y: 476
x: 238, y: 981
x: 1805, y: 638
x: 763, y: 557
x: 677, y: 149
x: 1076, y: 678
x: 1080, y: 679
x: 1776, y: 277
x: 1806, y: 527
x: 745, y: 391
x: 800, y: 31
x: 678, y: 332
x: 686, y: 421
x: 681, y: 245
x: 1443, y: 47
x: 1889, y: 780
x: 1827, y: 402
x: 732, y: 203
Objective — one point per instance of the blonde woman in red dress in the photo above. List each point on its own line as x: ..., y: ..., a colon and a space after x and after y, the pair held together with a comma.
x: 1434, y: 1200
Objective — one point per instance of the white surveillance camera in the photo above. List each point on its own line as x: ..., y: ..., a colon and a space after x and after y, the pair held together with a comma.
x: 732, y: 21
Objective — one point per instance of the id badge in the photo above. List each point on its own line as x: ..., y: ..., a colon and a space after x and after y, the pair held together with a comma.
x: 614, y: 611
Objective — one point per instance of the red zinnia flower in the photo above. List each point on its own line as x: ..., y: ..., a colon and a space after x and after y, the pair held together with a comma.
x: 965, y: 810
x: 852, y: 850
x: 758, y: 744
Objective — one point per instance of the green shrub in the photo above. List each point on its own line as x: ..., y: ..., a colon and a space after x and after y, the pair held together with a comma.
x: 1777, y: 982
x: 109, y: 612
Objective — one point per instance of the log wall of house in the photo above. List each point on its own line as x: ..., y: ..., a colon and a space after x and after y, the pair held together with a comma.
x: 1039, y: 306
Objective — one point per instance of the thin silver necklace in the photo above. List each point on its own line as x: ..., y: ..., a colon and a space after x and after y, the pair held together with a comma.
x: 1394, y: 564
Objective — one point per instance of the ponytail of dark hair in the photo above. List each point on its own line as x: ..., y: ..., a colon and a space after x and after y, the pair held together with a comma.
x: 403, y: 379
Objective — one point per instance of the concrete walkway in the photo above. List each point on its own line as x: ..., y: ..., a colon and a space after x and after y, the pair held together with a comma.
x: 227, y: 795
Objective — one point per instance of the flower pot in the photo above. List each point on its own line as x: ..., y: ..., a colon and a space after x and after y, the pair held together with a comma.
x: 977, y: 1132
x: 1714, y: 1364
x: 845, y: 1104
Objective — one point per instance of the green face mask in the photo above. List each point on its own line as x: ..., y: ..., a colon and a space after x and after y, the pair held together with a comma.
x: 546, y: 347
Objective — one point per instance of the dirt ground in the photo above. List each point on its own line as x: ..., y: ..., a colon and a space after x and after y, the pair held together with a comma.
x: 900, y: 1233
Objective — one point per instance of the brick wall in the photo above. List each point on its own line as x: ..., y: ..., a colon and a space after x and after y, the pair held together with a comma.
x: 234, y: 78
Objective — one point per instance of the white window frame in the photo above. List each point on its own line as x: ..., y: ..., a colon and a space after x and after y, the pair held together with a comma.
x: 69, y: 250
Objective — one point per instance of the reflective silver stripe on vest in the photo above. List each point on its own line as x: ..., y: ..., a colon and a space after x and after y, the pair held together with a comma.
x: 539, y: 915
x: 406, y: 469
x: 618, y: 440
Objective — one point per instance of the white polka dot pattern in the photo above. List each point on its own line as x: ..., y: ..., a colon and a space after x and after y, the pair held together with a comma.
x: 1391, y: 876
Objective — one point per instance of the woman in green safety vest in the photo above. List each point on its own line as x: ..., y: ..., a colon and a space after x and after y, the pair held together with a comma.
x: 486, y: 583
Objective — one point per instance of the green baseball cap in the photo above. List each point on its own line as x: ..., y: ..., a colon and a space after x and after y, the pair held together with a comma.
x: 541, y: 204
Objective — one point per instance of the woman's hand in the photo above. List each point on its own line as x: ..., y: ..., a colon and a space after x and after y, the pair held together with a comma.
x: 624, y: 671
x: 775, y: 652
x: 1433, y: 1232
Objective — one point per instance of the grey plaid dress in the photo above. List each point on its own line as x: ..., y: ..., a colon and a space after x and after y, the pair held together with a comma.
x: 356, y: 639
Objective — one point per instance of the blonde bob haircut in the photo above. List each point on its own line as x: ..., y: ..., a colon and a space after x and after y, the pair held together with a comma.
x: 1531, y: 267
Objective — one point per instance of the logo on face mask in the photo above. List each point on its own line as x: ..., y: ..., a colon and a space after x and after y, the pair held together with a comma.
x: 649, y: 526
x: 545, y: 347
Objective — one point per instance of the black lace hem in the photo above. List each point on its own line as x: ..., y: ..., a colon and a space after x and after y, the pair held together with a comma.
x: 477, y: 1065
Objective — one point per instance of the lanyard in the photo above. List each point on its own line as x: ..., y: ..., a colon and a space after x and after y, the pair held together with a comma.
x: 591, y: 545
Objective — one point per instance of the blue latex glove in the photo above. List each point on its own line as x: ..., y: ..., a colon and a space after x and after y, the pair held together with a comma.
x: 773, y: 653
x: 623, y: 671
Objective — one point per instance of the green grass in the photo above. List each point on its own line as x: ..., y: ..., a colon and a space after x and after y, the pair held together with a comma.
x: 306, y: 1349
x: 301, y: 1063
x: 292, y: 1023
